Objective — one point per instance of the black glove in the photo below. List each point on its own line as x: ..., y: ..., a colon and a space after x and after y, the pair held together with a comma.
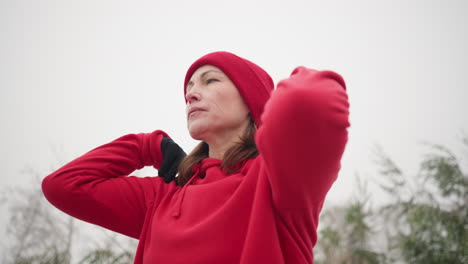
x: 172, y: 156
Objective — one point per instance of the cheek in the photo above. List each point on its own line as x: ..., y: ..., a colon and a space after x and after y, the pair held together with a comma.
x: 226, y: 104
x: 234, y: 107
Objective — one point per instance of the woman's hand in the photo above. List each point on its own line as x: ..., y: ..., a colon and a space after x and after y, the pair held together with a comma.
x: 172, y: 156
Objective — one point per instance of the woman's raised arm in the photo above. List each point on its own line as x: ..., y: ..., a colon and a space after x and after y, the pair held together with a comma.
x: 92, y: 188
x: 303, y: 136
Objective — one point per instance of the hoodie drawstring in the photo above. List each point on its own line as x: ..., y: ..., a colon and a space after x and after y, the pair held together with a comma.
x: 178, y: 205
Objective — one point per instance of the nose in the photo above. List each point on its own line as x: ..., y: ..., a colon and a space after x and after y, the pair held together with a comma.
x: 192, y: 96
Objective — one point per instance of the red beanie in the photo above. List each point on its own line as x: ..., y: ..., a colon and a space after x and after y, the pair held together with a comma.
x: 254, y: 83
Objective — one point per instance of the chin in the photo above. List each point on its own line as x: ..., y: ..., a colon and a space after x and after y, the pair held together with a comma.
x: 197, y: 131
x: 196, y: 136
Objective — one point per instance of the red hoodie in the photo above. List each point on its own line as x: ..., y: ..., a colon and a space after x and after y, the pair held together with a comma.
x: 266, y: 213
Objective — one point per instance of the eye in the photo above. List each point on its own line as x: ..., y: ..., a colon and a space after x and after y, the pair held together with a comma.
x: 211, y: 80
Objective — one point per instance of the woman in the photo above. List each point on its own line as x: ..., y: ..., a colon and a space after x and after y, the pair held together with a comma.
x: 242, y: 195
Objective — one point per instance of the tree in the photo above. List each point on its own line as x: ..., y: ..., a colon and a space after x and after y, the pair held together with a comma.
x: 424, y: 221
x: 429, y: 217
x: 106, y: 256
x: 40, y: 234
x: 112, y: 249
x: 346, y: 237
x: 36, y: 234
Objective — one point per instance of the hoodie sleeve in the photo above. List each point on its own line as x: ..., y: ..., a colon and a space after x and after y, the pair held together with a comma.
x: 91, y: 187
x: 303, y: 136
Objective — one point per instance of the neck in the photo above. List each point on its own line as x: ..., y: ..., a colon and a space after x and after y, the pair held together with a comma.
x: 223, y: 141
x: 217, y: 151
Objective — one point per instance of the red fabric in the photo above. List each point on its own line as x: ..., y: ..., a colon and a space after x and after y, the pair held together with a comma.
x: 254, y: 83
x: 266, y: 213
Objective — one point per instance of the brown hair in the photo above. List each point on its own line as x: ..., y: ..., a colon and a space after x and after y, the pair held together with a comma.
x: 232, y: 160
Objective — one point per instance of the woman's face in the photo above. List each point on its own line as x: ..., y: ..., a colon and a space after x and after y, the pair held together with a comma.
x: 215, y: 107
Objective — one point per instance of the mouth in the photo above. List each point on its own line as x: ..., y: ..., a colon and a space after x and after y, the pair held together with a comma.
x: 195, y: 110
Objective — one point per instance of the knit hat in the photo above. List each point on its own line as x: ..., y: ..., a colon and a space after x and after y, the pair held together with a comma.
x: 254, y: 83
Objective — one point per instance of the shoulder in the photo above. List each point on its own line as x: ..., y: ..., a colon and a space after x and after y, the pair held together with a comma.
x: 251, y: 165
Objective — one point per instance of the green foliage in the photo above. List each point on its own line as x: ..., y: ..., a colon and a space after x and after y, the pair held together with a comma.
x: 107, y: 256
x: 436, y: 226
x: 443, y: 169
x: 425, y: 220
x: 44, y: 258
x: 358, y: 228
x: 430, y: 223
x: 345, y: 239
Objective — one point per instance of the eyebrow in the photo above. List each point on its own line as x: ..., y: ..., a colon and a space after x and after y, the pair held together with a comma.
x: 190, y: 83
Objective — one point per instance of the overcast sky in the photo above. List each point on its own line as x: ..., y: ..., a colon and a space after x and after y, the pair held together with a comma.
x: 77, y: 74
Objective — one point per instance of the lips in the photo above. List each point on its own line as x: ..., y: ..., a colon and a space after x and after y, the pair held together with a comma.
x: 194, y: 110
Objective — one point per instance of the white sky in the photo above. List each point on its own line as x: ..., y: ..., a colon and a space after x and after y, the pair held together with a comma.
x: 78, y: 74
